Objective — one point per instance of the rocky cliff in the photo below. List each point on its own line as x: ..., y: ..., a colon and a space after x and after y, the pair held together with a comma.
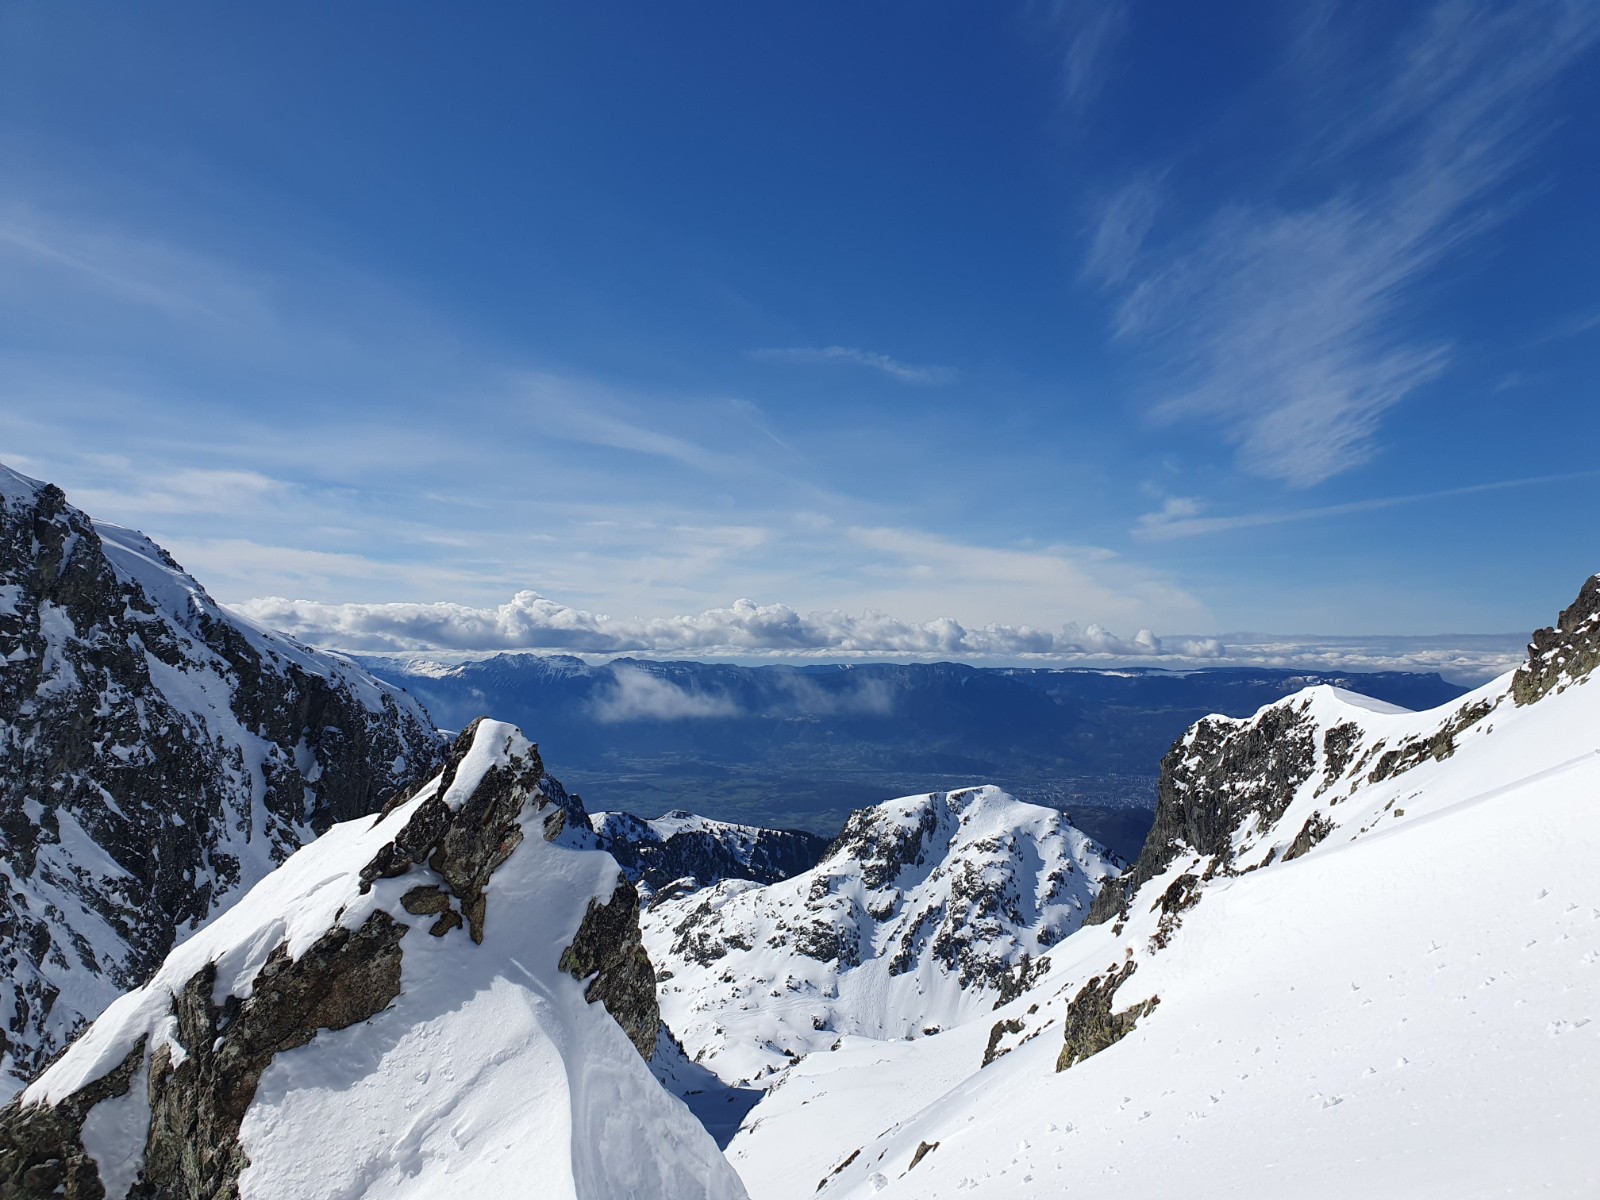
x: 158, y: 755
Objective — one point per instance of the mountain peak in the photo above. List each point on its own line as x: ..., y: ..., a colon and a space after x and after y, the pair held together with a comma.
x: 917, y: 918
x: 414, y: 1004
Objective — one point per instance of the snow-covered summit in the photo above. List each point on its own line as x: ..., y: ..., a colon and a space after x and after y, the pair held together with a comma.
x: 447, y: 999
x: 922, y: 913
x: 158, y: 755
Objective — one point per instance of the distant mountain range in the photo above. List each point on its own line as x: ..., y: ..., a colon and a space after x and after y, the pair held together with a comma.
x: 804, y: 746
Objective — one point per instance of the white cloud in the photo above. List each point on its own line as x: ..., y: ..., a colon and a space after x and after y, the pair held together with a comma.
x: 1286, y: 322
x: 1121, y: 225
x: 1463, y: 658
x: 530, y: 621
x: 848, y: 356
x: 746, y: 631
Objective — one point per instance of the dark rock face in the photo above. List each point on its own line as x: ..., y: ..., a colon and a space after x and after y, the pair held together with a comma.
x: 680, y: 852
x: 41, y: 1146
x: 157, y: 756
x: 885, y: 848
x: 1564, y: 653
x: 1091, y: 1026
x: 198, y: 1103
x: 1438, y: 746
x: 1223, y: 772
x: 608, y: 952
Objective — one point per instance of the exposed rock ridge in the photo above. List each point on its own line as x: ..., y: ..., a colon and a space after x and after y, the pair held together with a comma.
x: 1091, y: 1025
x: 1223, y: 772
x: 158, y: 755
x: 1565, y: 653
x: 1228, y: 783
x: 197, y: 1077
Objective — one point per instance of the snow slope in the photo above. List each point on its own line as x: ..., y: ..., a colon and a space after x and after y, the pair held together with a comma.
x: 915, y: 920
x: 1359, y: 957
x: 158, y: 755
x: 473, y: 1067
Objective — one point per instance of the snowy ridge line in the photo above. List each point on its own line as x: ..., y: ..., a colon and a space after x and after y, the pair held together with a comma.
x: 680, y: 852
x: 443, y: 998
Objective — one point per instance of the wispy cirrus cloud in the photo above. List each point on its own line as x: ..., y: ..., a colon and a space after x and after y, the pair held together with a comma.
x: 1284, y: 323
x: 1183, y: 516
x: 851, y: 357
x: 1089, y: 32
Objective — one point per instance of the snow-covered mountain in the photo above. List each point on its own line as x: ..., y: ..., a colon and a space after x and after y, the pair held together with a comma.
x: 448, y: 999
x: 1360, y: 956
x: 924, y: 911
x: 680, y: 852
x: 158, y: 756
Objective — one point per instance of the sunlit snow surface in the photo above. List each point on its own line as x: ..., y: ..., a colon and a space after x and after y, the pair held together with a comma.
x: 488, y: 1075
x: 1410, y: 1010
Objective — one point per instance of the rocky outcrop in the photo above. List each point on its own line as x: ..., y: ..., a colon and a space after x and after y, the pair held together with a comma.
x: 608, y: 953
x: 1564, y: 653
x: 199, y: 1039
x: 1222, y: 772
x: 680, y: 852
x: 158, y: 755
x: 1091, y: 1025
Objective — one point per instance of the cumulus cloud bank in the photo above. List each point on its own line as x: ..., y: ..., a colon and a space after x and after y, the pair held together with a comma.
x: 530, y: 621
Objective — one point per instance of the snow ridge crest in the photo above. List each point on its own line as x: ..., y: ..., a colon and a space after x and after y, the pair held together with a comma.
x: 470, y: 934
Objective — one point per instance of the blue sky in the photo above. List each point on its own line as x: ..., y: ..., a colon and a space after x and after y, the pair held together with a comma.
x: 1189, y: 318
